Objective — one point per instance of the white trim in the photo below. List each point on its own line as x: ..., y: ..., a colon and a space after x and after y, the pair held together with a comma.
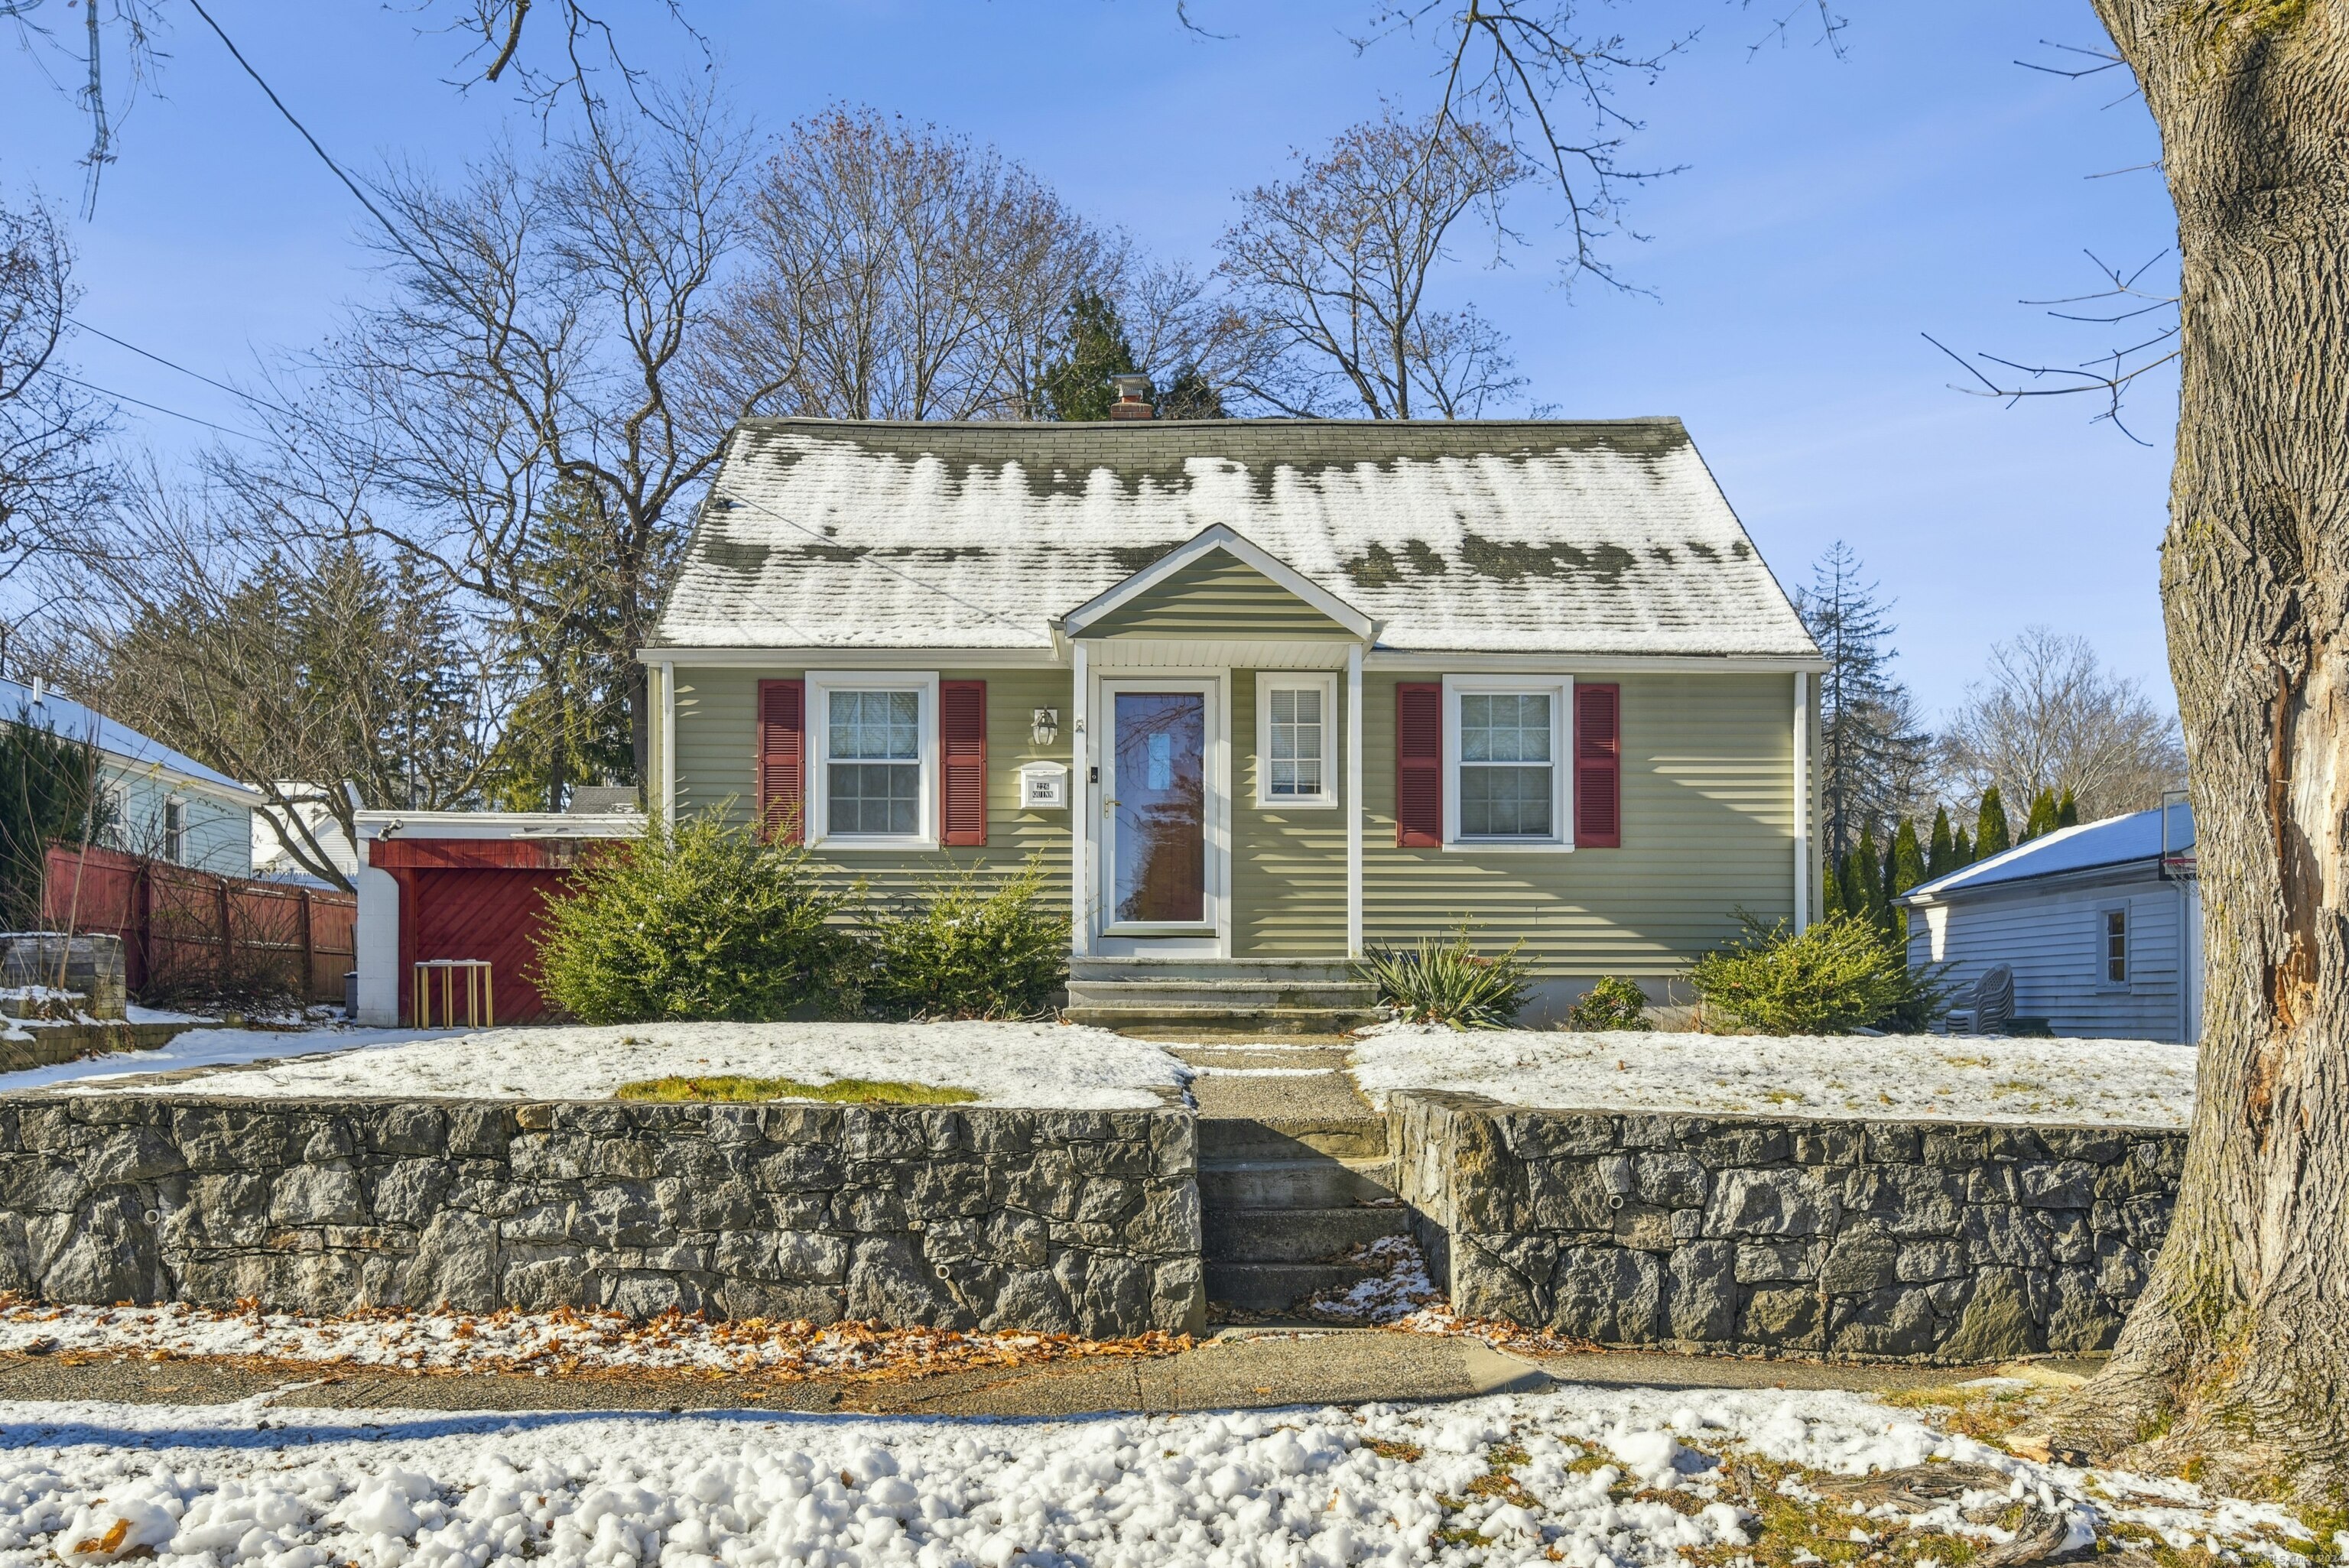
x: 1354, y: 801
x: 1081, y: 814
x: 2104, y: 983
x: 1802, y: 802
x: 820, y: 685
x: 1267, y: 682
x: 175, y: 844
x: 749, y: 656
x: 1216, y: 831
x: 1561, y: 741
x: 1219, y: 536
x: 668, y: 743
x: 162, y: 774
x: 1417, y: 659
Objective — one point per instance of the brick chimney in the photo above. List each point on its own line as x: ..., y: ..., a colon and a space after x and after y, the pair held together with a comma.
x: 1133, y: 398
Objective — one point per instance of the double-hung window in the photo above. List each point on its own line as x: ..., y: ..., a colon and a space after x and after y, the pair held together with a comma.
x: 1297, y: 740
x: 2113, y: 953
x: 1505, y: 740
x: 175, y: 831
x: 873, y: 746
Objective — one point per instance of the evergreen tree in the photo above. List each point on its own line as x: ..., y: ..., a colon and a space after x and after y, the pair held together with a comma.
x: 1092, y: 348
x: 1865, y: 895
x: 1942, y: 857
x: 2067, y: 810
x: 1962, y: 850
x: 1990, y: 834
x: 2042, y: 820
x: 1189, y: 395
x: 1904, y: 868
x: 1831, y: 902
x: 1872, y: 751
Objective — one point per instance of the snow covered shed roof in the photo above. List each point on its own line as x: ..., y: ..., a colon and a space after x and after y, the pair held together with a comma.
x: 117, y: 742
x: 2134, y: 841
x: 1518, y: 536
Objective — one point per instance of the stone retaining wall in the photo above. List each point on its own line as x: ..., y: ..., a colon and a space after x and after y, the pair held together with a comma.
x: 1083, y: 1221
x: 1935, y: 1241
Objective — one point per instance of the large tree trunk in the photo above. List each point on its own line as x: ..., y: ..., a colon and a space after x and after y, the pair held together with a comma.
x: 2239, y: 1351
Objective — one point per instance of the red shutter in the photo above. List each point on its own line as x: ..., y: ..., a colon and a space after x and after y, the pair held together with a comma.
x: 782, y: 758
x: 1419, y: 765
x: 962, y: 762
x: 1598, y: 767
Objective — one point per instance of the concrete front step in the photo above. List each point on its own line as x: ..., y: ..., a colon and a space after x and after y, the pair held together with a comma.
x: 1244, y: 971
x: 1298, y: 1235
x: 1263, y: 1139
x: 1169, y: 1018
x: 1234, y: 1186
x: 1277, y: 1287
x: 1229, y: 996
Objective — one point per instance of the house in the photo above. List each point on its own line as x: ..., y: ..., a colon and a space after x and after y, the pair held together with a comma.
x: 162, y: 803
x: 1260, y: 695
x: 273, y: 860
x: 2101, y: 924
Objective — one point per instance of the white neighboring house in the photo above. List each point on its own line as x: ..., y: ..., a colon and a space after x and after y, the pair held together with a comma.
x: 164, y: 803
x: 2102, y: 924
x: 271, y: 858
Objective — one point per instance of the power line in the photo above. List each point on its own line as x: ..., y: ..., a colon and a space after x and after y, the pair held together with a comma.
x: 172, y: 365
x: 158, y: 407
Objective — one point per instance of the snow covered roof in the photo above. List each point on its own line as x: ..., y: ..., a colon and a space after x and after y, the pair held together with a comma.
x: 63, y: 716
x: 2114, y: 842
x: 1533, y: 536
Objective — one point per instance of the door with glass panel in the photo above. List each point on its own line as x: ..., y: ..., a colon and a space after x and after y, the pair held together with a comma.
x: 1157, y: 791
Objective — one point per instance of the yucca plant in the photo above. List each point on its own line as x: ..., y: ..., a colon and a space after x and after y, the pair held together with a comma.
x: 1449, y: 982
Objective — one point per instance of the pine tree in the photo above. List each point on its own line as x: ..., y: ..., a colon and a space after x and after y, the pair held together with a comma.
x: 1990, y: 834
x: 1831, y: 902
x: 1904, y: 868
x: 2067, y: 810
x: 1092, y: 348
x: 1871, y: 749
x: 1854, y: 882
x: 2042, y: 820
x: 1941, y: 859
x: 1866, y: 897
x: 1961, y: 851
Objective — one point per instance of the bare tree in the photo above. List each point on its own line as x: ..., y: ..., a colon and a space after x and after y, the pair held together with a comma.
x: 53, y: 466
x: 1336, y: 265
x: 2049, y: 716
x: 540, y: 339
x: 898, y: 272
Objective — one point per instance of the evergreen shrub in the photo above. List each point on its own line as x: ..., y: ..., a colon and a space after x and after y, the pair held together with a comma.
x: 1839, y: 974
x: 1614, y: 1003
x: 1449, y: 982
x: 980, y: 944
x: 701, y: 920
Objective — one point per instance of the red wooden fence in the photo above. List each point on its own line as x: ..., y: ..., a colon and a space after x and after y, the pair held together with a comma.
x: 189, y: 932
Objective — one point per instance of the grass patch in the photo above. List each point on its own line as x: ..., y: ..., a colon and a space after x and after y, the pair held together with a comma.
x: 730, y: 1089
x: 1984, y: 1413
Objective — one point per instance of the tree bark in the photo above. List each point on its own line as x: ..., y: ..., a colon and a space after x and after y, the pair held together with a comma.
x: 2238, y: 1353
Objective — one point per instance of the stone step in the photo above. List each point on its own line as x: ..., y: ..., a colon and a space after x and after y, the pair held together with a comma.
x: 1296, y: 1236
x: 1277, y: 1287
x: 1238, y: 1185
x: 1256, y: 1139
x: 1227, y: 995
x: 1173, y: 1019
x: 1247, y: 971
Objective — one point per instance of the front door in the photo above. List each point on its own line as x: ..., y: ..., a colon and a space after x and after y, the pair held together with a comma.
x: 1160, y: 870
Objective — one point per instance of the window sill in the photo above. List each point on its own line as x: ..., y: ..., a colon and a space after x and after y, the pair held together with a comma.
x: 1296, y: 802
x: 837, y: 841
x: 1508, y: 847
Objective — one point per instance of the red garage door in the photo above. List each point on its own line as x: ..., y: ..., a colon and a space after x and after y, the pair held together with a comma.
x: 478, y: 898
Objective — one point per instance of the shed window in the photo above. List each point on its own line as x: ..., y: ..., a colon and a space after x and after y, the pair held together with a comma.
x: 2116, y: 955
x: 175, y: 831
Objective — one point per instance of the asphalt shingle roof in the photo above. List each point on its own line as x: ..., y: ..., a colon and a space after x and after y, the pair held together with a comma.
x: 1549, y: 536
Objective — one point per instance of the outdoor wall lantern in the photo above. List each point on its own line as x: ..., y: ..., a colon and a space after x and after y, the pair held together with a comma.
x: 1044, y: 727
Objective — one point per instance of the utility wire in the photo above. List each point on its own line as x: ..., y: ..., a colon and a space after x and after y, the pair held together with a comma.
x: 171, y: 365
x: 158, y: 407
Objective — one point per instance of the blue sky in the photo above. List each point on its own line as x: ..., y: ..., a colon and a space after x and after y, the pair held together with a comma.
x: 1830, y: 210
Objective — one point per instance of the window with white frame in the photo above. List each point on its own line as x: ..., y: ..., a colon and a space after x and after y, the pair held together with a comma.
x: 175, y: 831
x: 1506, y: 744
x: 872, y: 744
x: 2113, y: 956
x: 1297, y: 740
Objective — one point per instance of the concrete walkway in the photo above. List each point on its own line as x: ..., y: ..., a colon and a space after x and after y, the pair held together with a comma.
x: 1236, y: 1368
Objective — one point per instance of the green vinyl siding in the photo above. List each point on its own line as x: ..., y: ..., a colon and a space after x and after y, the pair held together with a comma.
x: 1288, y: 863
x: 717, y: 742
x: 1217, y: 595
x: 1707, y: 828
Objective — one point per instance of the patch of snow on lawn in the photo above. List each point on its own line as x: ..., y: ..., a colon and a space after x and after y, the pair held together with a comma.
x: 1952, y: 1077
x: 211, y: 1048
x: 1616, y: 1476
x: 1039, y: 1065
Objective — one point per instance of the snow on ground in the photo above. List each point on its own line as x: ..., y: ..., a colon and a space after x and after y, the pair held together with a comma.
x: 1040, y: 1065
x: 541, y: 1344
x: 211, y: 1048
x: 1957, y: 1078
x: 1585, y: 1476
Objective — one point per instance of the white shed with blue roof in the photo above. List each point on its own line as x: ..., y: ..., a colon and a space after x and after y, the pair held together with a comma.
x: 165, y: 804
x: 2101, y: 924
